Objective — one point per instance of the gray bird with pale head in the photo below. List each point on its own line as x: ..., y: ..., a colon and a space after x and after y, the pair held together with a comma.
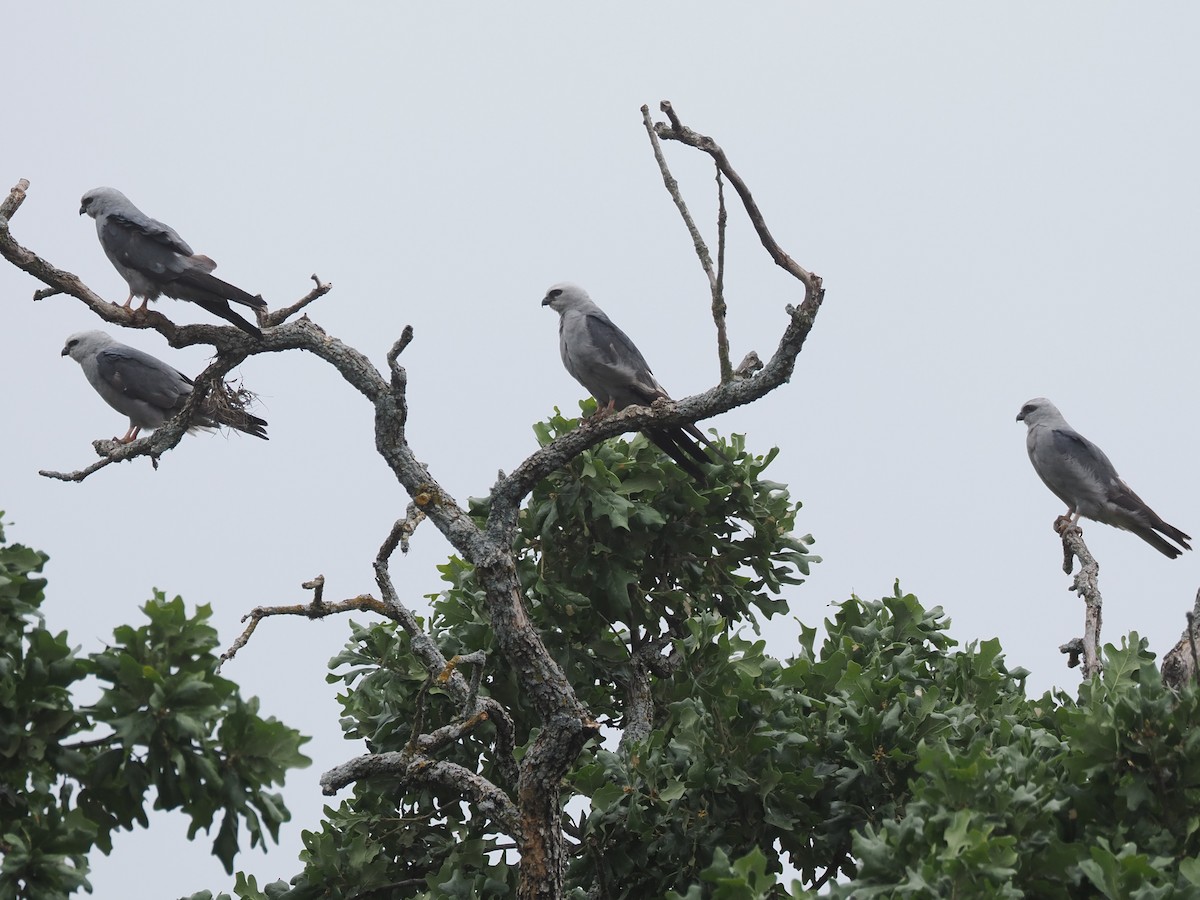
x: 155, y: 260
x: 602, y: 358
x: 146, y: 389
x: 1080, y: 475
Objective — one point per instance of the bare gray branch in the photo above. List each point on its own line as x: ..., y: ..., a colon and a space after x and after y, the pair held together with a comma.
x: 1180, y: 664
x: 1086, y: 584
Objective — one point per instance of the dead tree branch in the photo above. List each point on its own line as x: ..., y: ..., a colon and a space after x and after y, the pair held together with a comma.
x: 1086, y: 584
x: 280, y: 316
x: 466, y: 694
x: 419, y: 769
x: 719, y: 309
x: 677, y: 131
x: 11, y: 203
x: 533, y: 816
x: 1180, y: 664
x: 645, y: 658
x: 317, y: 609
x: 715, y: 278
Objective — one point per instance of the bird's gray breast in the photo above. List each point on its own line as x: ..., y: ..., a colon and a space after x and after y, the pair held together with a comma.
x: 572, y: 347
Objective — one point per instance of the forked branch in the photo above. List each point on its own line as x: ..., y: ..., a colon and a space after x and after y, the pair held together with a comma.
x: 716, y: 279
x: 677, y: 131
x: 532, y: 814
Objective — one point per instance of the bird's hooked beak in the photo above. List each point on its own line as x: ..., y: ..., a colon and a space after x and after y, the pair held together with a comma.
x: 82, y: 209
x: 546, y: 300
x: 1021, y: 416
x: 66, y: 351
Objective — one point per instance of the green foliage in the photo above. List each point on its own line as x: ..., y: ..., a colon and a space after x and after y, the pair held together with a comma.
x: 622, y: 544
x: 743, y: 879
x: 1058, y: 798
x: 624, y: 532
x: 758, y: 753
x: 165, y: 721
x: 882, y: 760
x: 618, y: 546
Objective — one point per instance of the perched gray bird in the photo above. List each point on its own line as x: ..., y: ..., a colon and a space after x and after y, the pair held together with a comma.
x: 602, y: 358
x: 146, y: 389
x: 1079, y: 473
x: 155, y: 260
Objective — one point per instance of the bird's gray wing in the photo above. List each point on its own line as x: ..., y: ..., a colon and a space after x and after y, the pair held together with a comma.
x: 612, y: 367
x: 152, y: 229
x: 1074, y: 468
x: 1082, y: 455
x: 1104, y: 496
x: 607, y: 356
x: 157, y: 256
x: 152, y: 254
x: 1089, y: 465
x: 139, y: 376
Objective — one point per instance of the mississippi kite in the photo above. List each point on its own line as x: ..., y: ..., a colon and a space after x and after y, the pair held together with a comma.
x: 602, y: 358
x: 155, y: 260
x: 146, y: 389
x: 1079, y: 473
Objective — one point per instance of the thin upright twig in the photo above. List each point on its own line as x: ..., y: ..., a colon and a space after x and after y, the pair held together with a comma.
x: 278, y: 316
x: 719, y: 309
x: 677, y: 131
x: 716, y: 279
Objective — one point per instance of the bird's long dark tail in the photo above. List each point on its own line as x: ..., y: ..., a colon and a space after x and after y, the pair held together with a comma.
x: 213, y: 294
x: 1148, y: 535
x: 199, y: 280
x: 216, y: 413
x: 221, y: 308
x: 245, y: 423
x: 681, y: 444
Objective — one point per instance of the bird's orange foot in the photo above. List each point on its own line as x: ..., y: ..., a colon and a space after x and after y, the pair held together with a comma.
x: 601, y: 413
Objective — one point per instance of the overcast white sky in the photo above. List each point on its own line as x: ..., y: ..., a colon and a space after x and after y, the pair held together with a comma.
x: 1003, y: 204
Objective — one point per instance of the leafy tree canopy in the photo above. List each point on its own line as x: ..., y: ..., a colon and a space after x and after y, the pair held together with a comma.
x: 165, y: 722
x: 882, y: 760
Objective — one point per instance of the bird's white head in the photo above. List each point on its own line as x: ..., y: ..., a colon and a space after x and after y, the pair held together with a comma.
x: 83, y: 344
x: 1039, y: 411
x: 565, y: 295
x: 102, y: 200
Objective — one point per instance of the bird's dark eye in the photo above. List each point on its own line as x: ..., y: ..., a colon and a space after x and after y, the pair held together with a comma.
x: 72, y: 343
x: 555, y: 293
